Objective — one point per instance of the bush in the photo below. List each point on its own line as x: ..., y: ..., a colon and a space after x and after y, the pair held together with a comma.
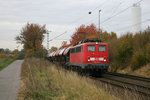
x: 148, y: 52
x: 138, y: 60
x: 122, y: 52
x: 3, y: 55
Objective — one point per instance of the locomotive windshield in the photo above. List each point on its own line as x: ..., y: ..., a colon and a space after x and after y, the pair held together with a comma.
x: 102, y: 48
x: 91, y: 48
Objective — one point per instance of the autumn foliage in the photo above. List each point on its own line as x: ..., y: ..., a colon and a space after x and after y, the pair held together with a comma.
x: 3, y: 55
x: 81, y: 33
x: 53, y: 49
x: 6, y: 53
x: 125, y: 51
x: 32, y: 36
x: 130, y: 51
x: 88, y: 32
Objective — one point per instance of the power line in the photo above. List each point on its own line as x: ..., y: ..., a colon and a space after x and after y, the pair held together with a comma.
x: 99, y: 6
x: 134, y: 24
x: 111, y: 9
x: 119, y: 12
x: 115, y: 9
x: 91, y: 11
x: 116, y: 24
x: 58, y: 36
x: 95, y: 17
x: 62, y: 39
x: 83, y: 17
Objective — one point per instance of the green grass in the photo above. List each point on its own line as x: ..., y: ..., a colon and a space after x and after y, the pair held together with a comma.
x: 4, y: 62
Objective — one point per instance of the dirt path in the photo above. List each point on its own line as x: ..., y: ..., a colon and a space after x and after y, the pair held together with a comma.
x: 10, y: 80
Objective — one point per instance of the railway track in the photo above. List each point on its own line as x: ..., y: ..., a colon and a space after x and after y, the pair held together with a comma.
x: 130, y: 76
x: 136, y: 84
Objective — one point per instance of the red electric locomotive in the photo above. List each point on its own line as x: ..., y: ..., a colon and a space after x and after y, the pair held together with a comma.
x: 89, y: 56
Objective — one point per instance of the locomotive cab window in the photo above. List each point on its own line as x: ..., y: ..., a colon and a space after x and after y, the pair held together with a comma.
x: 91, y: 48
x: 73, y: 50
x: 102, y: 48
x: 78, y: 49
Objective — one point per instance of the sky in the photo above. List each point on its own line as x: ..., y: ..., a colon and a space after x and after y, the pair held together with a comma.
x: 64, y: 16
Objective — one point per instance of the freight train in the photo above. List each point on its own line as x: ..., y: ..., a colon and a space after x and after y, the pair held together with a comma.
x: 87, y: 56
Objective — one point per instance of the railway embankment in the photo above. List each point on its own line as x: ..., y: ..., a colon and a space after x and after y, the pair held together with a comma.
x: 125, y: 86
x: 144, y: 71
x: 41, y: 80
x: 130, y: 53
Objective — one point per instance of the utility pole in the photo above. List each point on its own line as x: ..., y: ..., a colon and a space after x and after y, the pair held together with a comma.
x: 99, y: 24
x: 48, y: 40
x: 99, y: 30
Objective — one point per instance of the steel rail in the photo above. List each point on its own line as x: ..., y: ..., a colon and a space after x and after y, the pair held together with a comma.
x: 125, y: 84
x: 122, y: 81
x: 130, y: 76
x: 128, y: 88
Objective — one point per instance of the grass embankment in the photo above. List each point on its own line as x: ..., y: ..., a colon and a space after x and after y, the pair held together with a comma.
x: 4, y: 62
x: 144, y: 71
x: 44, y: 81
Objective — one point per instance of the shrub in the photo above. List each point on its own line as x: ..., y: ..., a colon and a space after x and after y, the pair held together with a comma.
x: 138, y: 60
x: 2, y: 55
x: 148, y: 52
x: 123, y: 51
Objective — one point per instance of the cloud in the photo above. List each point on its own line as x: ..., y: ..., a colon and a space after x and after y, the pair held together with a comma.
x: 10, y: 44
x: 64, y: 15
x: 9, y: 30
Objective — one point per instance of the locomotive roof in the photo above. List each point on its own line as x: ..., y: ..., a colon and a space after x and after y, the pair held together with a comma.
x: 66, y: 50
x: 88, y: 41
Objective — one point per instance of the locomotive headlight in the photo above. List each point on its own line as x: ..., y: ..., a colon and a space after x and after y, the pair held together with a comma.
x: 88, y: 58
x: 104, y: 59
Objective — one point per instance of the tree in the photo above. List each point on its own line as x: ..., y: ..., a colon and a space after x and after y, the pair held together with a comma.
x: 65, y: 45
x: 53, y: 49
x: 15, y: 52
x: 1, y: 50
x: 83, y: 32
x: 7, y: 51
x: 32, y: 36
x: 21, y: 54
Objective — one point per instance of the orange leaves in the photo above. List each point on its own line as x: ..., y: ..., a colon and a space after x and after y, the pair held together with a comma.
x: 81, y: 33
x: 3, y: 55
x: 88, y: 32
x: 31, y: 37
x: 65, y: 45
x: 84, y: 32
